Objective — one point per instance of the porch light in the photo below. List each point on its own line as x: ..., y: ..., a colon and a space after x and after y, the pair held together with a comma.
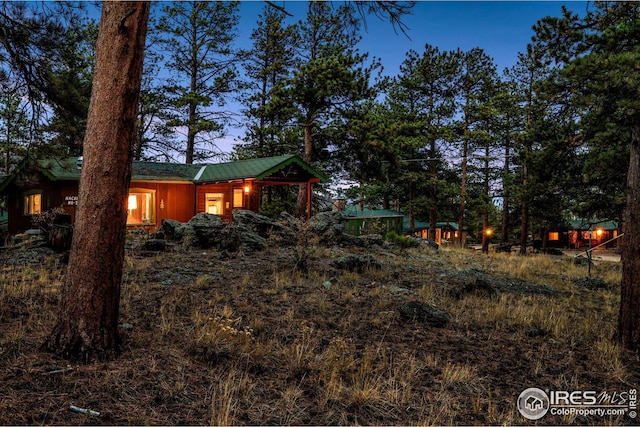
x: 247, y: 189
x: 599, y: 232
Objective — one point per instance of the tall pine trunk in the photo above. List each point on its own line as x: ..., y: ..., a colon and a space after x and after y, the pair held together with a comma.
x: 628, y: 332
x: 87, y: 327
x: 504, y: 235
x: 303, y: 192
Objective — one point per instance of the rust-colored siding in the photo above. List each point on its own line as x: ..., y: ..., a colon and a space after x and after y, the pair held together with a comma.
x: 173, y: 201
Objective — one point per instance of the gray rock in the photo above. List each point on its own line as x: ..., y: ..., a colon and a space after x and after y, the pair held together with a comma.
x: 203, y: 231
x: 369, y: 240
x: 328, y: 227
x: 172, y: 229
x: 245, y: 237
x: 396, y: 290
x: 154, y: 245
x: 261, y: 224
x: 591, y: 283
x: 357, y: 263
x: 416, y: 311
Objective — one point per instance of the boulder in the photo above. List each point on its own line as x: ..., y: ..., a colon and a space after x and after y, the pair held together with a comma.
x: 261, y: 224
x: 472, y: 282
x: 416, y: 311
x: 369, y: 240
x: 236, y: 237
x: 265, y: 227
x: 208, y: 231
x: 172, y: 229
x: 328, y: 227
x: 592, y: 283
x: 203, y: 231
x: 357, y: 263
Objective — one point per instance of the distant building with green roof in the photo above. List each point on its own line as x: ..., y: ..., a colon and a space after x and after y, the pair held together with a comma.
x: 360, y: 220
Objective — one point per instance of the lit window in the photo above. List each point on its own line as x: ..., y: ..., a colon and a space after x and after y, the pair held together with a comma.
x: 141, y: 207
x: 238, y: 198
x: 32, y: 204
x: 554, y: 235
x: 213, y: 203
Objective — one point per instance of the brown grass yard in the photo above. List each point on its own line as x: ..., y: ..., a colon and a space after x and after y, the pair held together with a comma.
x: 211, y: 339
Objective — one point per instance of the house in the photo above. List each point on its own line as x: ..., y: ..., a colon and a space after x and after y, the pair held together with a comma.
x: 590, y: 233
x: 581, y: 233
x: 358, y: 219
x: 446, y: 231
x: 157, y: 191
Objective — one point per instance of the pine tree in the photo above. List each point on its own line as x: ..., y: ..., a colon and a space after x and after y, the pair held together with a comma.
x: 268, y: 62
x: 48, y: 50
x: 14, y: 126
x: 477, y: 73
x: 600, y: 54
x: 329, y: 76
x: 423, y: 98
x: 198, y: 40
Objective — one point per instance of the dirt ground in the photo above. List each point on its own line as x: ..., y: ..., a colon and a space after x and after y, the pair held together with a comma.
x: 211, y: 338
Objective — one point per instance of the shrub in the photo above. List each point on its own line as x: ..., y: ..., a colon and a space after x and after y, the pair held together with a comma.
x: 401, y: 241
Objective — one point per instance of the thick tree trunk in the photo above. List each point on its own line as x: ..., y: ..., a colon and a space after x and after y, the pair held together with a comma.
x: 87, y: 327
x: 628, y: 332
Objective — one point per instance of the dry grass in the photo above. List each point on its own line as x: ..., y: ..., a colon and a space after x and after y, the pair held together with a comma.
x: 252, y: 340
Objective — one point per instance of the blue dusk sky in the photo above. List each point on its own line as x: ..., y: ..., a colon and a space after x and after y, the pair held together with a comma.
x: 501, y: 28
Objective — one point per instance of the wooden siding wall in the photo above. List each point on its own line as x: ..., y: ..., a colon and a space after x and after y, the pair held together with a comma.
x: 177, y: 200
x: 51, y: 197
x: 225, y: 189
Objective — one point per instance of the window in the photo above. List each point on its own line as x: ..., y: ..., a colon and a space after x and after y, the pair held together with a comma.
x: 141, y: 207
x: 554, y: 235
x: 32, y: 203
x: 213, y: 203
x: 238, y: 197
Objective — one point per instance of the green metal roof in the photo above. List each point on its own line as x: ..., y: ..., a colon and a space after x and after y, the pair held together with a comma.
x: 354, y: 211
x: 68, y: 170
x: 60, y: 169
x: 152, y: 171
x: 594, y: 224
x: 287, y: 167
x: 281, y: 168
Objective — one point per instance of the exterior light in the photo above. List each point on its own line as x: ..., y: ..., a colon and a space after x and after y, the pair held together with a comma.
x: 247, y: 189
x: 488, y: 232
x: 599, y: 232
